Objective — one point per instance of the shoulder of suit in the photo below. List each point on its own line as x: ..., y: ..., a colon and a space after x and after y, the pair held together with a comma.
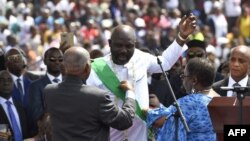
x: 39, y: 81
x: 50, y: 86
x: 93, y: 90
x: 221, y: 82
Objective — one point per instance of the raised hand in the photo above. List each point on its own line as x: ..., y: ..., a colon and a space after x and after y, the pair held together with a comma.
x: 187, y: 25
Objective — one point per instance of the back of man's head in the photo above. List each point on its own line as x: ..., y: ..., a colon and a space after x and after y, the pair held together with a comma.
x: 76, y: 61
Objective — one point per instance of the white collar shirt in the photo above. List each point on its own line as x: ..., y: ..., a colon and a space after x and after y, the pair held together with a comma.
x: 231, y: 82
x: 14, y: 78
x: 51, y: 78
x: 5, y: 108
x: 135, y: 71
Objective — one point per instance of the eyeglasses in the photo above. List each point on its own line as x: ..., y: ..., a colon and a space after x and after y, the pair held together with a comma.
x: 182, y: 76
x: 195, y: 54
x: 15, y: 58
x: 55, y: 59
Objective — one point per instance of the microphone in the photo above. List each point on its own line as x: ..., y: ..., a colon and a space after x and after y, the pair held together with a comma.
x: 236, y: 88
x: 156, y: 51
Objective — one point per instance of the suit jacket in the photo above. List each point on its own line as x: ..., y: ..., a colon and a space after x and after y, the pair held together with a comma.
x: 17, y: 96
x: 22, y: 118
x: 31, y: 76
x: 84, y: 113
x: 216, y: 86
x: 36, y: 99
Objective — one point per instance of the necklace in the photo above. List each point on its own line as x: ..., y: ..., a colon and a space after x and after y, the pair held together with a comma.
x: 205, y: 91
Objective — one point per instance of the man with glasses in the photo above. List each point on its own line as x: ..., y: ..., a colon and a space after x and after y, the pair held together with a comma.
x: 196, y: 48
x: 15, y: 64
x: 53, y: 59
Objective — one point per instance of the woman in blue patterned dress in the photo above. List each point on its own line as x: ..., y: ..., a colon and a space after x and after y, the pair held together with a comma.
x: 198, y: 77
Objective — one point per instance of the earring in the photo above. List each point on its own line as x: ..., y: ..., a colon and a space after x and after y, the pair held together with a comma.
x: 193, y: 91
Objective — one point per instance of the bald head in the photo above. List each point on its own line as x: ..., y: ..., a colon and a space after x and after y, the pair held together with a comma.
x: 75, y: 60
x: 239, y: 62
x: 122, y: 31
x: 122, y: 44
x: 244, y: 50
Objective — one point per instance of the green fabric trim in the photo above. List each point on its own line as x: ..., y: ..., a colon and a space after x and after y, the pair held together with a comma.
x: 109, y: 79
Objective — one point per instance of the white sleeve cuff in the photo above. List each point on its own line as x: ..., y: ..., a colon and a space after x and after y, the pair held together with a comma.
x: 130, y: 94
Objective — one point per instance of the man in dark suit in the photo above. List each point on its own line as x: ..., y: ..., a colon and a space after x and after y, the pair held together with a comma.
x: 239, y: 64
x: 53, y: 59
x: 84, y: 113
x: 6, y: 86
x: 15, y: 64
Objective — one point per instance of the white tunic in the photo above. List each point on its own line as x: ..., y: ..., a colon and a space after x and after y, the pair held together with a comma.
x: 135, y: 71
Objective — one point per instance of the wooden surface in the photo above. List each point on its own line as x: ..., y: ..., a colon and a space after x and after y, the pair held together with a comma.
x: 225, y: 111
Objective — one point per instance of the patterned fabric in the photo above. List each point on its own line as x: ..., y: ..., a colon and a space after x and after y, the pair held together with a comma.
x: 194, y: 109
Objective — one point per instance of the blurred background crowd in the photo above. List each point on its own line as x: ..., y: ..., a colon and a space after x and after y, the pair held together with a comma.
x: 35, y: 25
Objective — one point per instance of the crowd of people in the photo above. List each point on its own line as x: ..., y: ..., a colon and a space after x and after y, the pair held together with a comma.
x: 109, y: 85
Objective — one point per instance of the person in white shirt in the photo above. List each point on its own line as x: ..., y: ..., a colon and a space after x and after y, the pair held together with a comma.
x: 130, y: 64
x: 239, y: 64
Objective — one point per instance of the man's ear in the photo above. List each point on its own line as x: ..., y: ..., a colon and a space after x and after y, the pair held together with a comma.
x: 194, y: 80
x: 86, y: 71
x: 45, y: 61
x: 110, y: 42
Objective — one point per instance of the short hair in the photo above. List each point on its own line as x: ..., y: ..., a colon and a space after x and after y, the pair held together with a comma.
x: 123, y: 29
x: 50, y: 50
x: 203, y: 69
x: 96, y: 53
x: 75, y: 59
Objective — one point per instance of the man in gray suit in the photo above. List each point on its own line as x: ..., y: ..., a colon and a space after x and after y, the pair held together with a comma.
x: 84, y: 113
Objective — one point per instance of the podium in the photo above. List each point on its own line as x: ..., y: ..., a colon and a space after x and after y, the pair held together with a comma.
x: 225, y: 111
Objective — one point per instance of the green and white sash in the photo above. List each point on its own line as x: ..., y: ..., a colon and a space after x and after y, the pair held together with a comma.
x: 110, y: 80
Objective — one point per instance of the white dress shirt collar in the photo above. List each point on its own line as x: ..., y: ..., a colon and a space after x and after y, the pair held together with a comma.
x: 14, y: 78
x: 5, y: 108
x: 3, y: 100
x: 51, y: 78
x: 242, y: 82
x: 231, y: 81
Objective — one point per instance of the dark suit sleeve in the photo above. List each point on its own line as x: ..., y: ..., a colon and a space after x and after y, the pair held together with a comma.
x: 36, y: 101
x: 23, y: 120
x: 112, y: 115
